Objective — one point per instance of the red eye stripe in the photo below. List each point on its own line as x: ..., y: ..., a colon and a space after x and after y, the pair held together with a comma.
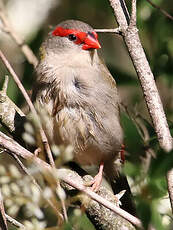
x: 59, y: 31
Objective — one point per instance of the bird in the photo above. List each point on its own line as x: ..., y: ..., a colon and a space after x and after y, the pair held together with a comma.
x: 80, y: 98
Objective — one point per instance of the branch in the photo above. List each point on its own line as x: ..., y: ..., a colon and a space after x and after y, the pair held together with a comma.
x: 164, y: 12
x: 12, y: 146
x: 20, y: 42
x: 133, y: 15
x: 115, y: 31
x: 145, y: 75
x: 14, y: 222
x: 120, y: 16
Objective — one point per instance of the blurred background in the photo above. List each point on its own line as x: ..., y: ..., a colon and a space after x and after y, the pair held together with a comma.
x: 32, y: 20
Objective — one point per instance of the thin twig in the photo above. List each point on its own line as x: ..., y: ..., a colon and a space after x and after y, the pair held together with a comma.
x: 50, y: 157
x: 62, y: 202
x: 64, y: 210
x: 133, y: 14
x: 115, y: 31
x: 47, y: 148
x: 28, y: 100
x: 12, y: 146
x: 20, y: 42
x: 164, y: 12
x: 14, y: 222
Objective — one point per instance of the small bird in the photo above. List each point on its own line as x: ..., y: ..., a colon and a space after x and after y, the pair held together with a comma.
x: 79, y: 95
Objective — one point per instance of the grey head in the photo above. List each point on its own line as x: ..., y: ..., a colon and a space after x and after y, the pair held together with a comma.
x: 70, y: 34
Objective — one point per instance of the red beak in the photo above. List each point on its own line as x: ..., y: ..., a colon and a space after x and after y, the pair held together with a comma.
x: 91, y: 42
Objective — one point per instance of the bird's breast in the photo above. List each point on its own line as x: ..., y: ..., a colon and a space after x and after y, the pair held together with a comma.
x: 86, y: 113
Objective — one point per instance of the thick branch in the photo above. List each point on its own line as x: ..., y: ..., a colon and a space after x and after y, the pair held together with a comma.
x: 145, y: 75
x: 150, y: 90
x: 119, y: 14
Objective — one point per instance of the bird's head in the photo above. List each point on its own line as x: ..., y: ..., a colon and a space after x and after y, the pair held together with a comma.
x: 72, y: 34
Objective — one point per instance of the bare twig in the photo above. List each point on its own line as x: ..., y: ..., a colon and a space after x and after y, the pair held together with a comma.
x: 116, y: 30
x: 3, y: 221
x: 164, y: 12
x: 14, y: 222
x: 133, y: 14
x: 47, y: 148
x: 12, y: 146
x: 62, y: 201
x: 28, y: 100
x: 20, y: 42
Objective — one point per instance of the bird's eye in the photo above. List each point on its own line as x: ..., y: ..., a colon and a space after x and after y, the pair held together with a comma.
x: 72, y: 37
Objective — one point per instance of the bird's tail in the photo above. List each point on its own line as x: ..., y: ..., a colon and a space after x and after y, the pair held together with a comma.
x: 118, y: 183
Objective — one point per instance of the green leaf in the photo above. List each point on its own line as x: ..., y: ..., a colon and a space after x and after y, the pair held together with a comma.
x: 161, y: 165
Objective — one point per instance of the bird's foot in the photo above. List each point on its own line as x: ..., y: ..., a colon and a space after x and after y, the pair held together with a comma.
x: 37, y: 151
x: 96, y: 181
